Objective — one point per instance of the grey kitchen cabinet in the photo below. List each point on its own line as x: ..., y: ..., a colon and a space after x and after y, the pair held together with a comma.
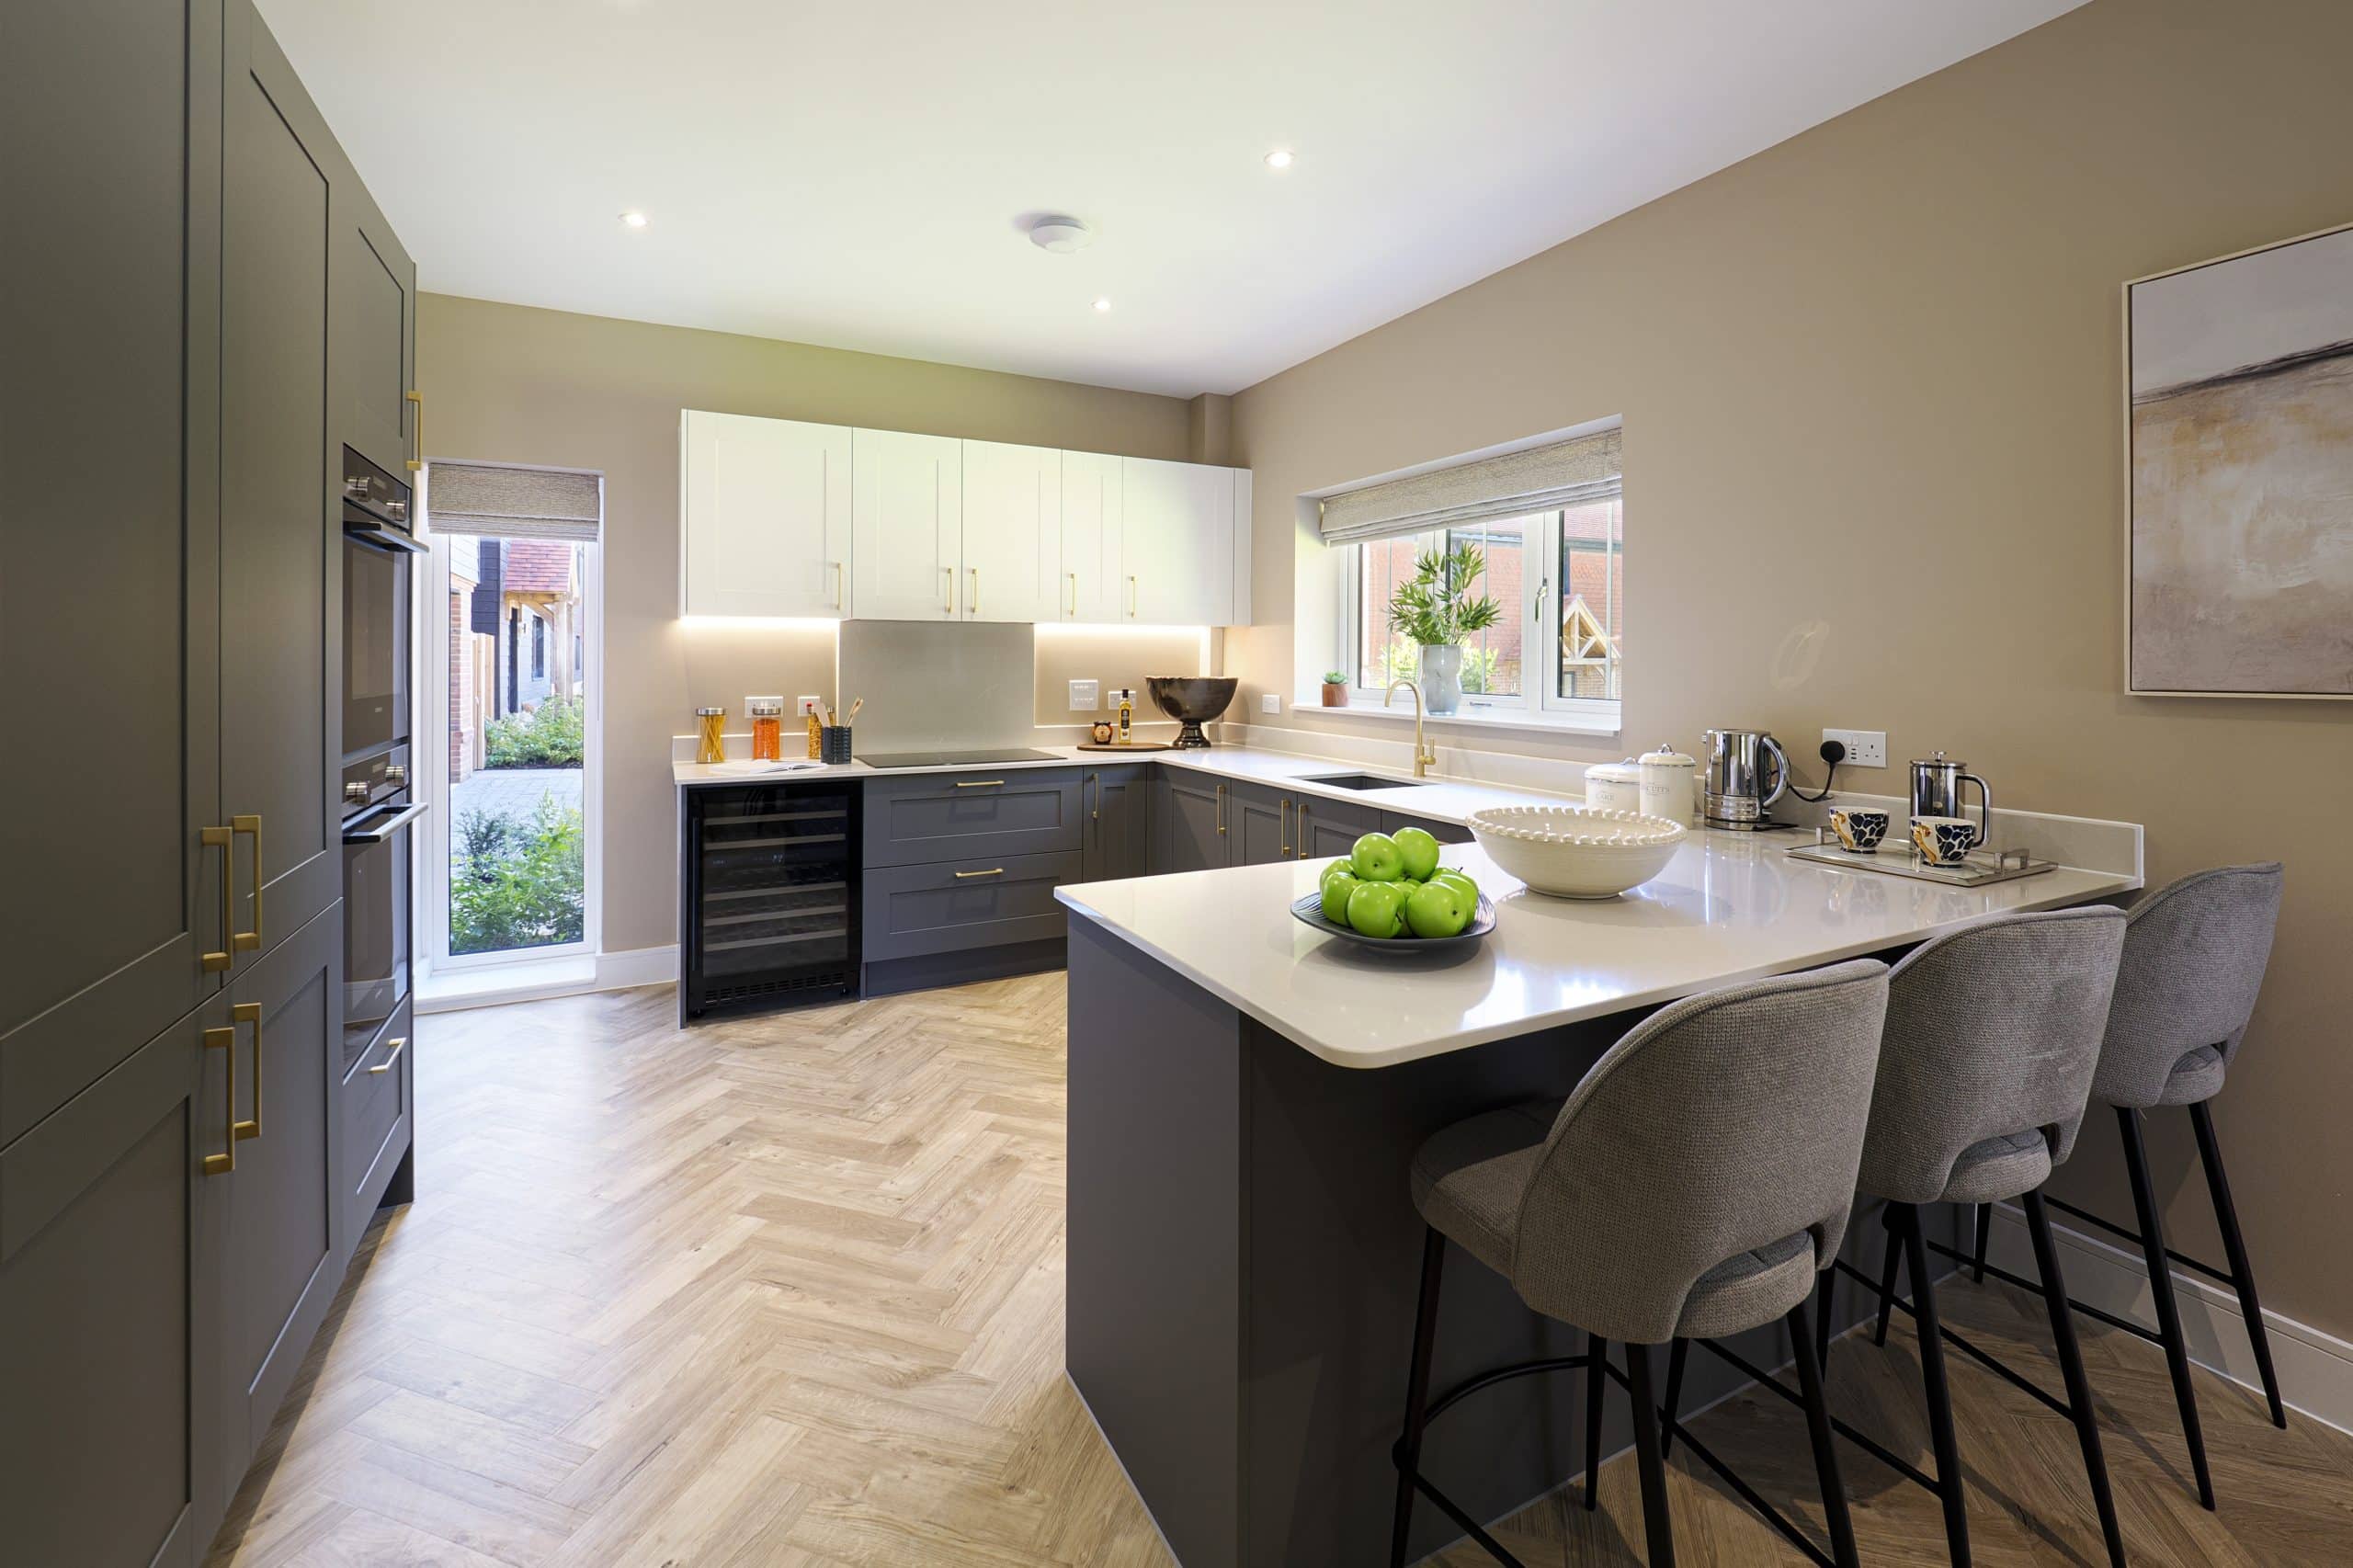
x: 925, y: 818
x: 1326, y: 829
x: 280, y: 577
x: 1444, y: 831
x: 111, y: 112
x: 1260, y: 818
x: 273, y: 1249
x: 372, y: 332
x: 377, y: 1107
x: 955, y: 905
x: 1196, y: 836
x: 1117, y: 832
x: 109, y: 1305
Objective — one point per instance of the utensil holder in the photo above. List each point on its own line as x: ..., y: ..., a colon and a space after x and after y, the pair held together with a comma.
x: 833, y: 743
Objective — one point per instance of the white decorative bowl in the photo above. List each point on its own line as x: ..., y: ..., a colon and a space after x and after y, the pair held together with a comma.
x: 1578, y: 851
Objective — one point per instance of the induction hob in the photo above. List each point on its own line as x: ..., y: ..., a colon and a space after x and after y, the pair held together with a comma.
x: 955, y: 758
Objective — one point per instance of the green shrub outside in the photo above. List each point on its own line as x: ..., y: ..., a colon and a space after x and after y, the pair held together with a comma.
x: 518, y: 883
x: 547, y: 737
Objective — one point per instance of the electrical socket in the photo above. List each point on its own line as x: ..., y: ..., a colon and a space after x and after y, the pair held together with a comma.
x: 1085, y: 696
x: 1865, y: 748
x: 1271, y: 702
x: 808, y: 705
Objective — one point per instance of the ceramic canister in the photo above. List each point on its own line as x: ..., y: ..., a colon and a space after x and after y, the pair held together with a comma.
x: 1670, y: 782
x: 1614, y: 786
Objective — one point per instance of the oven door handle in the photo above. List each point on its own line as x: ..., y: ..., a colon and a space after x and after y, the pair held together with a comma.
x: 381, y: 832
x: 382, y: 536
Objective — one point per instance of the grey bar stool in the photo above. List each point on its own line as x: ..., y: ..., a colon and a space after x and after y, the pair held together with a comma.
x: 1690, y: 1187
x: 1994, y: 1031
x: 2194, y: 957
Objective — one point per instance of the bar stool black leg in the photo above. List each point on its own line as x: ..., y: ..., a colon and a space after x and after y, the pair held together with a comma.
x: 1825, y: 1456
x: 1417, y: 1392
x: 1887, y: 1278
x: 1674, y: 1359
x: 1597, y: 1383
x: 1985, y: 1231
x: 2226, y: 1215
x: 2070, y: 1366
x: 1826, y: 1286
x: 1658, y: 1528
x: 1950, y: 1487
x: 2153, y: 1249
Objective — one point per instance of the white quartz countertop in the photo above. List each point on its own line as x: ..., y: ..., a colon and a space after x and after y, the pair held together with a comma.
x: 1441, y: 800
x: 1729, y: 907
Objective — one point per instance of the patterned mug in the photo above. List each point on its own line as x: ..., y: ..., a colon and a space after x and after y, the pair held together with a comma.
x: 1944, y: 841
x: 1858, y: 830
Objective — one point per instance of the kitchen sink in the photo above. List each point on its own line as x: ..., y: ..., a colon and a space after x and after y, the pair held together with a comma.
x: 1362, y: 781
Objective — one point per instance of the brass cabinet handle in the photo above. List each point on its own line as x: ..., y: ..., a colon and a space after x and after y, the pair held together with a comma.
x: 247, y: 941
x: 1095, y: 814
x: 247, y: 1012
x: 979, y: 783
x: 1133, y: 600
x: 973, y: 599
x: 391, y: 1057
x: 838, y: 584
x: 1285, y: 817
x: 992, y: 871
x: 1073, y: 593
x: 221, y: 838
x: 1302, y: 830
x: 1221, y: 802
x: 226, y: 1161
x: 416, y: 428
x: 949, y: 607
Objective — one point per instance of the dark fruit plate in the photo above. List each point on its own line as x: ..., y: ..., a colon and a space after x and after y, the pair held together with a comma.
x: 1308, y: 911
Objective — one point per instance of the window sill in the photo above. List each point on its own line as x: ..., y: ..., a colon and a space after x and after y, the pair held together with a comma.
x: 1543, y: 723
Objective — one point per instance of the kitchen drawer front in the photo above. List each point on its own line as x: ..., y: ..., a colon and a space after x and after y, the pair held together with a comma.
x: 911, y: 911
x: 966, y: 816
x: 1444, y: 831
x: 376, y: 1123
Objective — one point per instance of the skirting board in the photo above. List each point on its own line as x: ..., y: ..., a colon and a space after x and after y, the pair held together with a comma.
x: 536, y: 980
x: 2315, y: 1368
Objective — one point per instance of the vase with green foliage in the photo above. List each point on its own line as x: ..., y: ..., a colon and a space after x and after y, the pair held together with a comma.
x: 1436, y: 609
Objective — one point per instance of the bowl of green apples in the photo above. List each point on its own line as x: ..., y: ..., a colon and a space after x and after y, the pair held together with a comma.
x: 1390, y: 894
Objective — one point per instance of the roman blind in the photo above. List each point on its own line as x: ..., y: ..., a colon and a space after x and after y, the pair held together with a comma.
x: 515, y: 502
x: 1536, y: 480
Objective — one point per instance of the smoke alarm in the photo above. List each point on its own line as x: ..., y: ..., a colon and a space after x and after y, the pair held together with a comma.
x: 1060, y: 235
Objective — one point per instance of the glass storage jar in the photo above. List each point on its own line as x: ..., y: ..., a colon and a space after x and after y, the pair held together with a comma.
x: 710, y: 735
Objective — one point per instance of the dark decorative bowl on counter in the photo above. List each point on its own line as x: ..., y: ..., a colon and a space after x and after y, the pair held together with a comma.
x: 1192, y: 701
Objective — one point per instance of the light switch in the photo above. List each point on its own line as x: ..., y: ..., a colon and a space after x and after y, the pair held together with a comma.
x: 1085, y: 696
x: 1271, y: 702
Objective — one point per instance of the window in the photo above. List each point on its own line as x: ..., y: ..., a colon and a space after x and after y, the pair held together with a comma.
x: 539, y: 649
x: 1554, y: 655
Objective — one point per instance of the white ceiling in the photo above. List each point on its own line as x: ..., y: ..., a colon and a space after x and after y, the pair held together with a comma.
x: 854, y: 173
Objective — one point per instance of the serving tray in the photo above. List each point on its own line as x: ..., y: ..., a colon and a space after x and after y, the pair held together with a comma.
x: 1308, y: 911
x: 1981, y: 869
x: 1128, y: 745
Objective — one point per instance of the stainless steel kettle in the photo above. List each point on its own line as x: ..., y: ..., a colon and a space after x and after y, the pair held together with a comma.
x: 1733, y: 791
x: 1937, y: 789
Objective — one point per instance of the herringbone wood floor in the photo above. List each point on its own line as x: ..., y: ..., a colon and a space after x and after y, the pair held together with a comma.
x: 788, y: 1292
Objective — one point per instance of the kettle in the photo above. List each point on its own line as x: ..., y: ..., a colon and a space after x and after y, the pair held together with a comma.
x: 1733, y: 790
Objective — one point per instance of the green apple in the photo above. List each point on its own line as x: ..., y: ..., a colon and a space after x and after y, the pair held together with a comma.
x: 1377, y: 859
x: 1334, y: 869
x: 1377, y: 909
x: 1440, y: 909
x: 1460, y: 879
x: 1420, y: 851
x: 1338, y: 883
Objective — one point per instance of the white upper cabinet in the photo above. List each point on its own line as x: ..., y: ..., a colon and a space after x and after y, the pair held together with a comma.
x: 1175, y: 543
x: 1013, y: 504
x: 907, y: 516
x: 764, y: 517
x: 1240, y: 612
x: 1089, y: 589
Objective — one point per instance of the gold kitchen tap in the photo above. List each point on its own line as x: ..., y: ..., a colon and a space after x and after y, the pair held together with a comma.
x: 1424, y: 757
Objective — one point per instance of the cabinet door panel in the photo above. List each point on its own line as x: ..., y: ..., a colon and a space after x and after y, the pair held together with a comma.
x: 280, y: 617
x: 113, y: 128
x: 373, y: 327
x: 1175, y: 542
x: 1197, y: 839
x: 765, y: 516
x: 1444, y: 831
x: 1118, y: 822
x: 1326, y: 830
x: 1090, y: 585
x: 1012, y: 531
x: 906, y: 517
x: 104, y: 1458
x: 1262, y: 819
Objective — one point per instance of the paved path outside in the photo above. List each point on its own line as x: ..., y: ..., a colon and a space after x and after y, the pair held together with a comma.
x: 511, y: 793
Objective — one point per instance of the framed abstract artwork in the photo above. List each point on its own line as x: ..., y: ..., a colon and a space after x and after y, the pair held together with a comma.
x: 2239, y: 458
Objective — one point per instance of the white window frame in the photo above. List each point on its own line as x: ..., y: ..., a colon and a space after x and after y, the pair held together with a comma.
x: 1537, y: 706
x: 431, y: 918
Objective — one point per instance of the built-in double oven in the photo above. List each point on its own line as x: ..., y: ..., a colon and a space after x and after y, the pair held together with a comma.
x: 379, y: 556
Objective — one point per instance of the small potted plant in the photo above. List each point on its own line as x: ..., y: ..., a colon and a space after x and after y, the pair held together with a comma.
x: 1336, y: 688
x: 1436, y: 608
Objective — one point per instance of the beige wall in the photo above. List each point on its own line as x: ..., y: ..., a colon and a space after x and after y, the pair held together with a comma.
x: 1871, y: 380
x: 505, y: 383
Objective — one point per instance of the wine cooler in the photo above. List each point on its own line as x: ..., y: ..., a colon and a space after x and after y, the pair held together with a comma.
x: 769, y: 883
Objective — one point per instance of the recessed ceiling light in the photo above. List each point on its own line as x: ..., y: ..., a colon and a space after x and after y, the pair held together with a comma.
x: 634, y: 220
x: 1102, y: 304
x: 1059, y: 235
x: 1279, y: 158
